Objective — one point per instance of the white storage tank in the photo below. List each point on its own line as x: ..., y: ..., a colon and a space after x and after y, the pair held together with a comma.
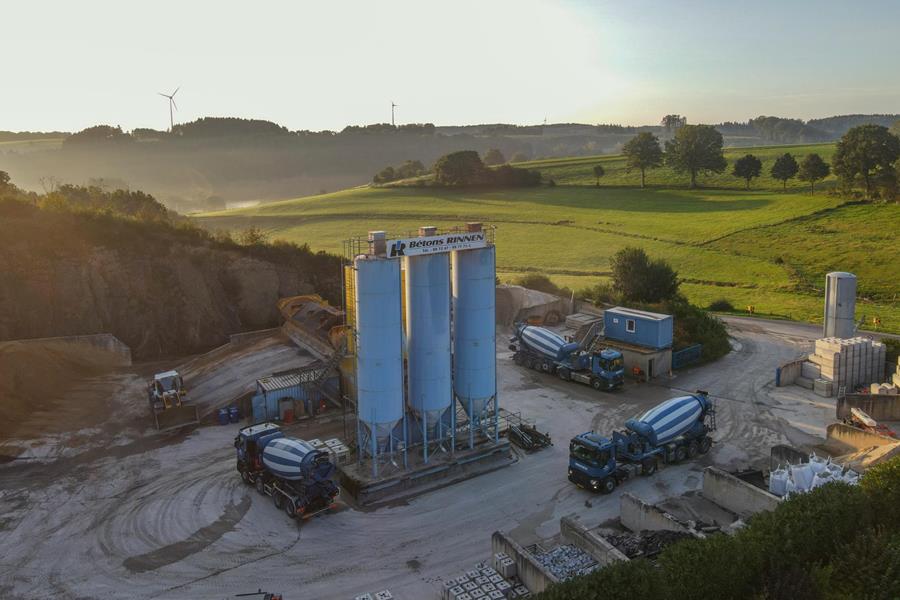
x: 840, y: 305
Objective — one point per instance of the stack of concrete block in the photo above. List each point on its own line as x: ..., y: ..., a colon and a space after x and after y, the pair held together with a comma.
x: 846, y: 363
x: 895, y: 378
x: 339, y: 452
x: 384, y: 595
x: 504, y: 565
x: 481, y: 583
x: 883, y: 388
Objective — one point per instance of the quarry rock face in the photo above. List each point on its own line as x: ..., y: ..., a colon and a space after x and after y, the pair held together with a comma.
x: 178, y: 300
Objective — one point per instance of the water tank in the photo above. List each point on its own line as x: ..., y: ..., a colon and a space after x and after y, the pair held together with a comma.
x: 379, y: 362
x: 428, y: 336
x: 840, y: 305
x: 474, y: 367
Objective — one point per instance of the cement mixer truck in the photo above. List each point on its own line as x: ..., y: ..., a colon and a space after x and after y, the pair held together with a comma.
x: 671, y: 432
x: 541, y: 349
x: 297, y: 476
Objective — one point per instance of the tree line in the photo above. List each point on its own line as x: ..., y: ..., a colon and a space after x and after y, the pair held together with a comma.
x: 867, y: 156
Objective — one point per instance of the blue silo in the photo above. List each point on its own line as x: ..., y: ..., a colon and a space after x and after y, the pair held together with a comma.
x: 428, y: 344
x: 379, y: 361
x: 474, y: 367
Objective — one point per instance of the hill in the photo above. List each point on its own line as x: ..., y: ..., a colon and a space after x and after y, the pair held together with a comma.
x: 216, y: 161
x: 162, y: 286
x: 765, y: 247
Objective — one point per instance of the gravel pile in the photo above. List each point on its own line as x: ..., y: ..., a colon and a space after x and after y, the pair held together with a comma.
x: 567, y: 561
x: 647, y: 544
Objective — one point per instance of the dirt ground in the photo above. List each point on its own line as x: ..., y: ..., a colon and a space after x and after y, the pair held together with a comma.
x: 166, y: 516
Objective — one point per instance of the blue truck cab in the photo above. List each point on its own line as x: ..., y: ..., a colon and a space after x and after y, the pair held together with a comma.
x: 671, y: 432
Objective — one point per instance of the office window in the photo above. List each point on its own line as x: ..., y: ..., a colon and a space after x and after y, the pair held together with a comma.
x: 629, y: 325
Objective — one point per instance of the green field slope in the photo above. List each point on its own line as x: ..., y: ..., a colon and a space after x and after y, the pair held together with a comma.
x: 579, y: 171
x: 764, y: 248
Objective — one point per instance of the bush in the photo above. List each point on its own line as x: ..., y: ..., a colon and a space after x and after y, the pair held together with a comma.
x: 601, y: 293
x: 640, y: 279
x: 720, y: 305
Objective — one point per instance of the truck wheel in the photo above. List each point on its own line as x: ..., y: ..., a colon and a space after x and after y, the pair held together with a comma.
x: 648, y: 467
x: 705, y: 444
x: 546, y: 367
x: 693, y: 449
x: 519, y: 359
x: 563, y: 373
x: 596, y: 384
x: 278, y: 499
x: 680, y: 453
x: 289, y: 508
x: 260, y: 486
x: 245, y: 477
x: 530, y: 362
x: 607, y: 485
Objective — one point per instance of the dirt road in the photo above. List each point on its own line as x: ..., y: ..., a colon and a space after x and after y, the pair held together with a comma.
x: 174, y: 521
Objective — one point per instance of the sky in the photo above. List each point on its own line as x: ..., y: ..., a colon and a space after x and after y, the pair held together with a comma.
x: 324, y: 65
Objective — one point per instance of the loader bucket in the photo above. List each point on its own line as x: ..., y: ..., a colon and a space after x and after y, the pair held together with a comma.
x: 177, y: 416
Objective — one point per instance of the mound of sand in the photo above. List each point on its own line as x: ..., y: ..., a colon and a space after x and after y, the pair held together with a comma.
x: 36, y: 375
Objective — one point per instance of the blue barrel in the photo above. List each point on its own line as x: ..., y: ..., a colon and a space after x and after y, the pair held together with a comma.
x: 234, y: 414
x: 223, y: 416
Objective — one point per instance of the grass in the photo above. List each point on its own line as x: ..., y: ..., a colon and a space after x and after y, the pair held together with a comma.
x: 765, y: 247
x: 579, y: 171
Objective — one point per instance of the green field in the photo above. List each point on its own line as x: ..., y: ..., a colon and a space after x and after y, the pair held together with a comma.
x: 579, y: 171
x: 764, y: 247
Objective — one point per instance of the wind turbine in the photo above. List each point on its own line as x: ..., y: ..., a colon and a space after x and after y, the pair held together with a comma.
x: 393, y: 106
x: 172, y: 105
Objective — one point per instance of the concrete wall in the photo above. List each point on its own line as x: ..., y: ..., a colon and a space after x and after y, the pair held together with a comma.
x: 781, y: 455
x: 662, y: 360
x: 592, y: 543
x: 788, y: 372
x: 881, y: 407
x: 103, y: 341
x: 855, y: 439
x: 532, y: 575
x: 637, y: 515
x: 738, y: 496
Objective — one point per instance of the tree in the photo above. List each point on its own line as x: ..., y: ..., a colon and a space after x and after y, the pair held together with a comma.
x: 696, y: 149
x: 459, y: 168
x: 671, y: 122
x: 864, y: 151
x: 598, y: 173
x: 519, y: 157
x: 494, y: 157
x: 253, y: 236
x: 640, y: 279
x: 4, y: 179
x: 812, y: 169
x: 785, y: 168
x: 385, y: 175
x: 643, y: 152
x: 747, y: 167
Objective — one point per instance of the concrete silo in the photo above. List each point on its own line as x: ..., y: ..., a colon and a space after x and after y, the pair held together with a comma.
x: 379, y: 359
x: 429, y: 370
x: 840, y: 305
x: 474, y: 330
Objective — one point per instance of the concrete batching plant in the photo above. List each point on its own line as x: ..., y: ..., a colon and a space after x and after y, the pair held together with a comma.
x: 422, y: 313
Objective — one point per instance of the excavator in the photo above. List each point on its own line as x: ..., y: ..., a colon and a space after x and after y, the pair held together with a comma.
x: 166, y: 393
